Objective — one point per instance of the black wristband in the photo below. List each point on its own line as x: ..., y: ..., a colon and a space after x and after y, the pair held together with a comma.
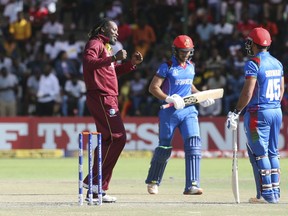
x: 236, y: 111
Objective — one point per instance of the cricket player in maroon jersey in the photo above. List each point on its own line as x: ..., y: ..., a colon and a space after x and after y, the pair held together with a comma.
x: 100, y: 72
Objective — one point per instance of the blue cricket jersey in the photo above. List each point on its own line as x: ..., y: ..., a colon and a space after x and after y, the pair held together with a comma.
x: 178, y: 79
x: 268, y: 71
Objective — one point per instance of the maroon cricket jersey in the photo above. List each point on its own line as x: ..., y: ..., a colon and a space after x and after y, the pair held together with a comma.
x: 100, y: 73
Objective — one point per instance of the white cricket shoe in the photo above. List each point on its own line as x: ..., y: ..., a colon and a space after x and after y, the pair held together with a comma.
x: 105, y: 198
x: 193, y: 191
x: 152, y: 188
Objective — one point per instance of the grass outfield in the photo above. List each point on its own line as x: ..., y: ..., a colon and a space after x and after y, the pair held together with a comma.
x: 50, y: 187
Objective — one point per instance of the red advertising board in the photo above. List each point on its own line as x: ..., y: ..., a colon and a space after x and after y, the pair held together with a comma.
x: 142, y: 133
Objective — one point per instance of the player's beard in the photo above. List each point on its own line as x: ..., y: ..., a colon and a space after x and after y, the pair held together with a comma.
x: 112, y: 40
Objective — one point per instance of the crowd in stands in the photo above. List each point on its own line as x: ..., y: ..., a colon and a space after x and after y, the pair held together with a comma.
x: 41, y: 44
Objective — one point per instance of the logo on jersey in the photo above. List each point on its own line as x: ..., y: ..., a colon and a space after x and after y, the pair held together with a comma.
x: 249, y: 72
x: 112, y: 112
x: 175, y: 72
x: 183, y: 82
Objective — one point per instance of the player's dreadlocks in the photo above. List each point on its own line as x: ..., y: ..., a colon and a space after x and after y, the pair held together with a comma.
x: 103, y: 22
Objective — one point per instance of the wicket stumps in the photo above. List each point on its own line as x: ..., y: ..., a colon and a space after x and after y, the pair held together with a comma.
x: 90, y: 166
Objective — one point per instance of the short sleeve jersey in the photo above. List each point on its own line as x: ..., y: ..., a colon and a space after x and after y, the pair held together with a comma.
x: 268, y: 71
x: 178, y: 79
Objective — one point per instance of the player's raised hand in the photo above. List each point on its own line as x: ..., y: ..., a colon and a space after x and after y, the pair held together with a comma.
x: 136, y: 58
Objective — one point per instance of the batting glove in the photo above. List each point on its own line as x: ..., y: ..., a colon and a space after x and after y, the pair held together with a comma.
x: 207, y: 102
x: 176, y: 100
x: 232, y: 120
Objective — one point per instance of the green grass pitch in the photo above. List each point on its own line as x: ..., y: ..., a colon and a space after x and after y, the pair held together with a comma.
x: 50, y: 187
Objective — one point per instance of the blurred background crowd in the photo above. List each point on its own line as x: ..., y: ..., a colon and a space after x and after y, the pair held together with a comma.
x: 41, y: 43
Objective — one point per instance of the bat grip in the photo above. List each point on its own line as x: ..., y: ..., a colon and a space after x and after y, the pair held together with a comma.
x: 164, y: 106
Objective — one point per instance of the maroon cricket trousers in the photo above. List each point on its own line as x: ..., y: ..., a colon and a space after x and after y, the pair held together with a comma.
x: 105, y: 112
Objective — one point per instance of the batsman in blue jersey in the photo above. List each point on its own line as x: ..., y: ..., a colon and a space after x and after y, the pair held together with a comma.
x: 173, y: 81
x: 261, y: 96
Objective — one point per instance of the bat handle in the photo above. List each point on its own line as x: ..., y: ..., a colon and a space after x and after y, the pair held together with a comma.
x: 164, y: 106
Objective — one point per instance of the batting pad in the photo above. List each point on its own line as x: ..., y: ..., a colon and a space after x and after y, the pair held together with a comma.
x: 192, y: 148
x: 158, y: 164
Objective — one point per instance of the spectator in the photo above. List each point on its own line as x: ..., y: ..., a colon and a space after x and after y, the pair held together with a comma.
x: 64, y: 68
x: 143, y: 37
x: 235, y: 82
x: 124, y: 31
x: 205, y: 29
x: 245, y: 25
x: 69, y: 6
x: 4, y: 26
x: 273, y: 8
x: 112, y: 9
x: 234, y: 44
x: 73, y: 47
x: 50, y: 5
x: 19, y: 69
x: 21, y: 31
x: 10, y: 47
x: 48, y: 92
x: 52, y: 48
x: 38, y: 15
x: 216, y: 81
x: 200, y: 79
x: 74, y: 98
x: 215, y: 61
x: 32, y: 86
x: 239, y: 60
x: 253, y: 8
x: 214, y: 7
x: 5, y: 61
x: 11, y: 10
x: 138, y: 86
x: 8, y: 93
x: 123, y: 98
x: 223, y: 29
x: 32, y: 47
x: 38, y: 62
x: 232, y: 9
x: 270, y: 26
x: 52, y: 28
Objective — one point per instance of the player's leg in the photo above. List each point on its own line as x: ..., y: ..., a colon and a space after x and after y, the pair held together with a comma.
x: 275, y: 176
x: 257, y: 132
x: 162, y: 152
x: 157, y: 168
x: 108, y: 120
x: 189, y: 129
x: 192, y: 149
x: 275, y: 117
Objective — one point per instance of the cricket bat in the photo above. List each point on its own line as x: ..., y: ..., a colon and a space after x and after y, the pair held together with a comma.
x: 235, y: 184
x: 199, y: 97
